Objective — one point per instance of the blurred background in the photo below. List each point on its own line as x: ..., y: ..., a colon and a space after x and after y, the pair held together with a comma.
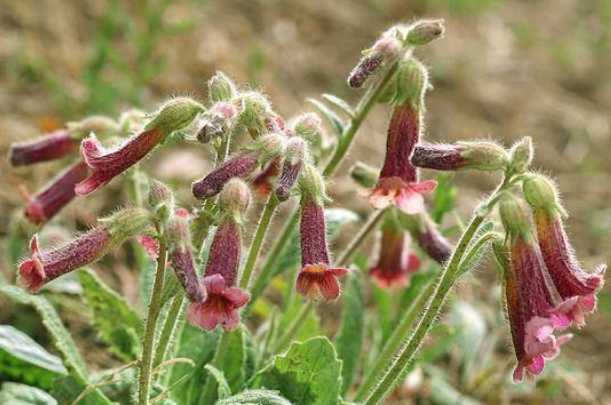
x: 505, y: 69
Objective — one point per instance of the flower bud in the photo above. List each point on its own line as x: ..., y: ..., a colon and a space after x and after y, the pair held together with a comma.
x: 522, y: 154
x: 100, y: 125
x: 270, y: 146
x: 296, y: 152
x: 312, y: 183
x: 480, y: 155
x: 308, y: 126
x: 221, y: 88
x: 424, y: 31
x: 174, y: 115
x: 126, y: 223
x: 385, y: 48
x: 215, y: 122
x: 540, y: 193
x: 53, y: 146
x: 235, y: 198
x: 364, y: 175
x: 254, y: 112
x: 240, y: 165
x: 515, y: 216
x: 161, y: 199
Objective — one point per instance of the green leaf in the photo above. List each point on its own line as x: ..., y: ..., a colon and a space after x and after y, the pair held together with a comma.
x: 223, y: 386
x: 23, y: 359
x: 309, y: 328
x: 255, y: 397
x: 67, y: 389
x: 118, y: 324
x: 444, y: 197
x: 350, y: 338
x: 20, y: 394
x: 199, y: 347
x: 233, y: 360
x: 308, y: 374
x: 339, y: 103
x: 61, y: 337
x: 334, y: 119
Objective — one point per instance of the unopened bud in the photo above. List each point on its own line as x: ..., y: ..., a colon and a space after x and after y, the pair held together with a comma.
x: 373, y: 59
x: 424, y: 31
x: 522, y: 154
x: 221, y: 88
x: 127, y: 223
x: 296, y: 154
x: 178, y: 232
x: 364, y: 175
x: 308, y: 126
x: 254, y: 112
x: 312, y: 183
x: 235, y: 198
x: 501, y: 254
x: 540, y: 193
x: 215, y: 122
x: 410, y: 84
x: 161, y: 199
x: 174, y: 115
x: 478, y: 155
x: 100, y: 125
x: 270, y: 146
x: 514, y: 215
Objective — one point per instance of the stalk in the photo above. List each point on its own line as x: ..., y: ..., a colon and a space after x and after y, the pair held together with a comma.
x: 169, y: 327
x: 146, y: 362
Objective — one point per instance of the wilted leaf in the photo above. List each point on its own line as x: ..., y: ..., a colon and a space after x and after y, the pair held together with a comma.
x: 351, y: 334
x: 308, y: 374
x: 118, y: 324
x: 20, y: 394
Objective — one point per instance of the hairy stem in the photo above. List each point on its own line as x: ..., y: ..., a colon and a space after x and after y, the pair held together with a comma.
x: 169, y: 327
x: 154, y: 308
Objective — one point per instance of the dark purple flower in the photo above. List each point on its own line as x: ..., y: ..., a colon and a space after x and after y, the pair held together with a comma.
x: 296, y: 151
x: 55, y: 195
x: 49, y: 147
x: 373, y: 60
x: 479, y: 155
x: 317, y: 278
x: 240, y: 165
x: 436, y: 246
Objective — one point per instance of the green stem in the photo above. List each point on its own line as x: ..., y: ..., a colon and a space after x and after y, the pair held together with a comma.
x: 294, y: 328
x: 398, y: 363
x: 169, y: 327
x: 257, y: 241
x: 154, y: 309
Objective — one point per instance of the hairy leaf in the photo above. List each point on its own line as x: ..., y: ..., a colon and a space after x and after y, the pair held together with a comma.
x: 339, y: 103
x: 255, y: 397
x: 118, y: 324
x: 223, y: 386
x: 349, y: 341
x: 20, y: 394
x: 308, y: 374
x: 334, y: 119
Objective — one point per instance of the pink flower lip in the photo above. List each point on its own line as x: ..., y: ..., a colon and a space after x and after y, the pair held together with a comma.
x: 31, y: 272
x: 318, y: 280
x: 408, y: 197
x: 107, y: 164
x: 50, y: 147
x: 220, y: 307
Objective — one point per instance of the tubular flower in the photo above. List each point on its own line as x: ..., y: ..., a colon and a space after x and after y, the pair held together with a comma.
x: 576, y: 287
x: 46, y: 203
x: 532, y: 314
x: 181, y: 255
x: 398, y: 182
x: 395, y: 261
x: 241, y: 165
x: 107, y: 164
x: 317, y: 277
x: 50, y: 147
x: 224, y: 298
x: 262, y: 181
x: 296, y: 151
x: 385, y: 48
x: 425, y: 233
x: 43, y: 267
x: 480, y: 155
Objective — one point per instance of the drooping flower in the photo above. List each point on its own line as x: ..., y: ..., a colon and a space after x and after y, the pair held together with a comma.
x: 399, y: 182
x: 107, y: 164
x: 478, y: 155
x: 181, y: 255
x: 317, y: 277
x: 425, y: 233
x: 88, y: 248
x: 55, y: 195
x: 224, y: 299
x: 395, y: 260
x: 241, y: 165
x: 296, y: 152
x: 576, y: 287
x: 532, y: 313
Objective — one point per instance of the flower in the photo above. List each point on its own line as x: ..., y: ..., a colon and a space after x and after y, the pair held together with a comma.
x: 395, y: 261
x: 224, y: 298
x: 576, y: 287
x: 317, y: 278
x: 478, y: 155
x: 398, y: 182
x: 55, y: 195
x: 107, y: 164
x: 296, y: 152
x: 262, y: 181
x: 385, y: 48
x: 532, y: 313
x: 432, y: 242
x: 50, y: 147
x: 45, y: 266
